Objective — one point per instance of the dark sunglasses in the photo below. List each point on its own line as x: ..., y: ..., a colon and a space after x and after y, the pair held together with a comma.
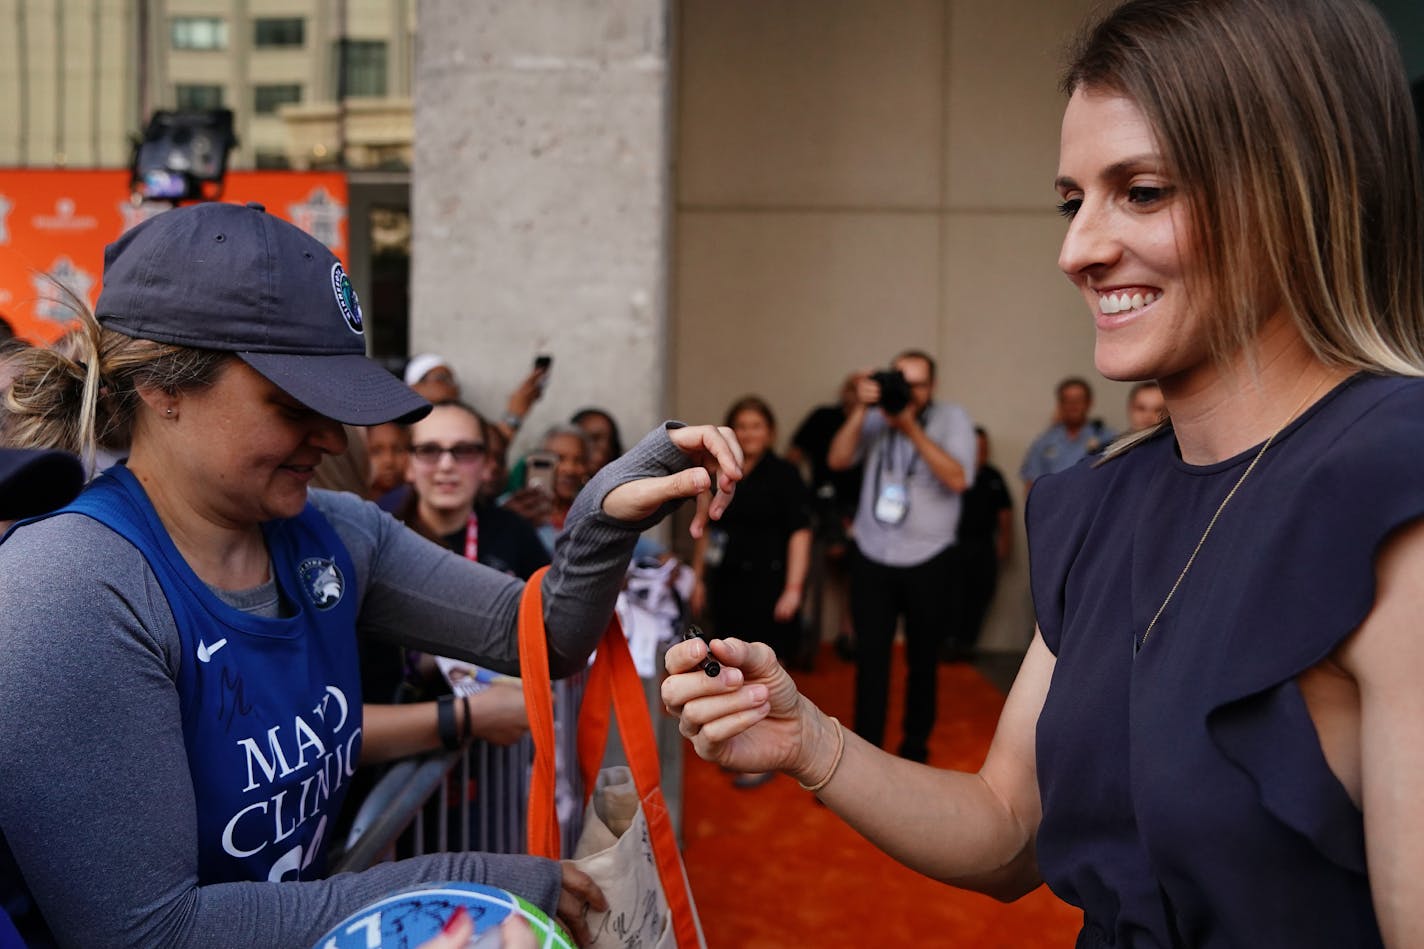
x: 464, y: 453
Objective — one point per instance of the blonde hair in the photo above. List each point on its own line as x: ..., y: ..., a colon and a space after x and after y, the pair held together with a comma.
x: 81, y: 394
x: 1290, y: 129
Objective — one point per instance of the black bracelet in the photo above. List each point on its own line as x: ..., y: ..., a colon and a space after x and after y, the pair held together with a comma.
x: 468, y: 731
x: 445, y: 722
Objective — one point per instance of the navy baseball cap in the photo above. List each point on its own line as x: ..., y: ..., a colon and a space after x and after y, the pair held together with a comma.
x: 36, y: 482
x: 234, y: 278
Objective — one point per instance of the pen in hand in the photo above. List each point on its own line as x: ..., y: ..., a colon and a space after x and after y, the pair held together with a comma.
x: 709, y: 665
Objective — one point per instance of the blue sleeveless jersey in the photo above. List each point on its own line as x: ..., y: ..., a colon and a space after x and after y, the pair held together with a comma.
x: 271, y: 707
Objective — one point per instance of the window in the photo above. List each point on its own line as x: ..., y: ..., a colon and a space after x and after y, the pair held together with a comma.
x: 199, y: 32
x: 266, y: 99
x: 279, y: 31
x: 196, y: 98
x: 365, y: 62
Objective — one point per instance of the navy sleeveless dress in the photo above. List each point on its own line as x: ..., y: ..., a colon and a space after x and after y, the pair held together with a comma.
x: 1186, y: 800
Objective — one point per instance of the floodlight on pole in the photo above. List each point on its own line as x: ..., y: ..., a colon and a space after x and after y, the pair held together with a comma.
x: 182, y: 156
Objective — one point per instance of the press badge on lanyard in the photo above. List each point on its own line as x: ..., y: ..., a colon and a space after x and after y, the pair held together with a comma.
x: 892, y: 503
x: 892, y: 494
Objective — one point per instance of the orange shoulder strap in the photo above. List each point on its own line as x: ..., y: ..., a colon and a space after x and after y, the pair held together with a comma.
x: 612, y: 676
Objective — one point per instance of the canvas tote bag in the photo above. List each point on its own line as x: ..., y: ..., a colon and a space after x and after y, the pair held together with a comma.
x: 627, y: 845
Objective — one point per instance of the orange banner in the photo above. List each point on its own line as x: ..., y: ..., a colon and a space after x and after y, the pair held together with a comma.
x: 54, y: 226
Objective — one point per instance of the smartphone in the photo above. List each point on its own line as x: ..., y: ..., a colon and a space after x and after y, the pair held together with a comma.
x: 543, y: 363
x: 539, y: 470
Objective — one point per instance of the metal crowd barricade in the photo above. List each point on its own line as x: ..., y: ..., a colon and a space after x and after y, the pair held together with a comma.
x: 394, y: 817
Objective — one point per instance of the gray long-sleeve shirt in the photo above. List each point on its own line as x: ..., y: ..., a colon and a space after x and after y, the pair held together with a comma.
x: 97, y: 813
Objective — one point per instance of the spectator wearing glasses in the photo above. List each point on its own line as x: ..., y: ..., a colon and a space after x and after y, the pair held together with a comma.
x: 447, y: 469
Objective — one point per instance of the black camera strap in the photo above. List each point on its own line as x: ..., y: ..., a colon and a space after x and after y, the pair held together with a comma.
x: 890, y: 437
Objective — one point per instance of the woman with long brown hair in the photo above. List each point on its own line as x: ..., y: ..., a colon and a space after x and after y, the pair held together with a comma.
x: 1215, y: 737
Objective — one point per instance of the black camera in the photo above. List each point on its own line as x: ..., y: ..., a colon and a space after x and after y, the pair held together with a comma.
x: 894, y: 390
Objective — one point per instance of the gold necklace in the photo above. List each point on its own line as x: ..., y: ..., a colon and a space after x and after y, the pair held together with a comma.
x: 1137, y: 645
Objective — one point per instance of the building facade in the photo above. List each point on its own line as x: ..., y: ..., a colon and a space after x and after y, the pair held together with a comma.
x: 311, y: 83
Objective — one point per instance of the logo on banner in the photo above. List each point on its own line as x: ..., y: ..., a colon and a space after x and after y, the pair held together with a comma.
x: 5, y: 208
x: 50, y: 303
x: 64, y: 218
x: 320, y: 215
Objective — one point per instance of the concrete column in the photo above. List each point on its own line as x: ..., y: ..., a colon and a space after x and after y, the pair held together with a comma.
x: 540, y: 201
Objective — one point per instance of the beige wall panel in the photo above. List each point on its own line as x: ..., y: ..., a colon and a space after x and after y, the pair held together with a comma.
x: 219, y: 8
x: 784, y: 305
x: 265, y: 134
x: 1003, y: 102
x: 811, y: 102
x: 77, y: 59
x: 286, y: 65
x: 118, y: 111
x: 1013, y: 327
x: 43, y: 84
x: 10, y: 79
x: 200, y: 66
x: 283, y: 8
x: 200, y: 7
x: 368, y: 18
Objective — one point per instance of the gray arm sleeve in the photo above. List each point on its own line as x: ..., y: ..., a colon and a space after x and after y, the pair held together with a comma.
x: 421, y: 595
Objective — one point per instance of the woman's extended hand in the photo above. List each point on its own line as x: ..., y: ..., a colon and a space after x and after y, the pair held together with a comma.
x: 750, y: 717
x: 578, y: 895
x: 717, y: 459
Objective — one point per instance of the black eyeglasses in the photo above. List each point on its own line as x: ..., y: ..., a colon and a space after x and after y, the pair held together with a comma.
x: 464, y: 453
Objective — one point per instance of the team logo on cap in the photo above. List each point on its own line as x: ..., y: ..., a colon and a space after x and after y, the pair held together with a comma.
x: 322, y: 580
x: 346, y: 298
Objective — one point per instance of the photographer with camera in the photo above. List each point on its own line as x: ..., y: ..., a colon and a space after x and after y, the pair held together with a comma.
x: 919, y: 459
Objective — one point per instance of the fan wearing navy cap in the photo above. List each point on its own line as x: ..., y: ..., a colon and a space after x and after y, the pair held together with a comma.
x: 181, y: 697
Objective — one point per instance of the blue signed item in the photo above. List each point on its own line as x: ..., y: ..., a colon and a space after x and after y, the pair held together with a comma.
x: 407, y: 919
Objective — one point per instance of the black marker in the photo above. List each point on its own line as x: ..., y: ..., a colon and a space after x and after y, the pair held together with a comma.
x: 709, y: 665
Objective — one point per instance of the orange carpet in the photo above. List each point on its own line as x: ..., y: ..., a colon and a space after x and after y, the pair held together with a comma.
x: 770, y: 868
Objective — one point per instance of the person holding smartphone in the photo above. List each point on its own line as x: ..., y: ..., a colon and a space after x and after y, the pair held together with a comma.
x: 522, y: 399
x: 559, y: 469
